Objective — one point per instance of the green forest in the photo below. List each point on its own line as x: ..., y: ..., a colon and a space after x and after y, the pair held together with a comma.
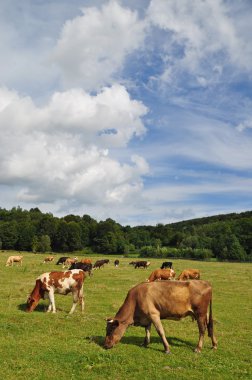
x: 222, y: 237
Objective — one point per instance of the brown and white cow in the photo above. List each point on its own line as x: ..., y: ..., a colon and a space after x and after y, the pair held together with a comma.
x: 150, y: 302
x: 162, y: 274
x: 70, y: 281
x: 14, y: 259
x: 48, y: 259
x: 69, y: 262
x: 189, y: 274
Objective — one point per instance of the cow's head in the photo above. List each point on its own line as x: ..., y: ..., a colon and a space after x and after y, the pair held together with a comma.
x: 114, y: 332
x: 33, y: 299
x: 31, y: 303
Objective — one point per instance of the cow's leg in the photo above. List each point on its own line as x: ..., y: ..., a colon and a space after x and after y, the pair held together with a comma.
x: 147, y: 336
x: 210, y: 329
x: 214, y: 341
x: 159, y: 327
x: 75, y: 294
x: 51, y: 306
x: 81, y: 300
x: 202, y: 324
x: 49, y: 309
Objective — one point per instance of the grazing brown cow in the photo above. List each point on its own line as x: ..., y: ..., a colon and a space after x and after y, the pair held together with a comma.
x: 189, y: 274
x: 162, y: 274
x: 48, y: 259
x: 14, y: 259
x: 57, y: 282
x: 100, y: 263
x: 150, y: 302
x: 86, y: 261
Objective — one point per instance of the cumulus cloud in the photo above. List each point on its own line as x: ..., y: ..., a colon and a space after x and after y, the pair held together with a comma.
x: 62, y: 150
x: 72, y: 136
x: 92, y: 47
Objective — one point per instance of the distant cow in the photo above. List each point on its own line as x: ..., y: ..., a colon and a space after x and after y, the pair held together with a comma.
x: 132, y: 263
x: 85, y: 267
x: 189, y: 274
x: 116, y: 263
x: 166, y: 264
x: 48, y: 259
x: 162, y: 274
x: 100, y: 263
x: 70, y: 261
x: 150, y: 302
x: 57, y: 282
x: 142, y: 264
x: 85, y: 261
x: 14, y: 259
x: 62, y: 260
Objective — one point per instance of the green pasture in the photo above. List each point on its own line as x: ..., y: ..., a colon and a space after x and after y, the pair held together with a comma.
x: 46, y: 346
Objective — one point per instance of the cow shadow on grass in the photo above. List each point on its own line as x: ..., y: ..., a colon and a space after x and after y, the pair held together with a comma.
x: 138, y: 341
x: 40, y: 308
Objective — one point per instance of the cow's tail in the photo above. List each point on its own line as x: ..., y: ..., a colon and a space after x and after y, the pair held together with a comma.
x: 210, y: 320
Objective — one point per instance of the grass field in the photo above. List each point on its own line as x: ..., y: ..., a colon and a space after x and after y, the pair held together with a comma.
x: 46, y: 346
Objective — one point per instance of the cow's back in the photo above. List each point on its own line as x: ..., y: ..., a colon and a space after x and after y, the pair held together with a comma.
x: 170, y: 298
x: 60, y: 281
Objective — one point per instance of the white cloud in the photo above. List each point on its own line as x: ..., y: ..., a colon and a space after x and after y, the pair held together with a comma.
x: 245, y: 124
x: 61, y: 150
x: 200, y: 140
x: 110, y: 118
x: 203, y: 36
x: 66, y: 130
x: 92, y: 47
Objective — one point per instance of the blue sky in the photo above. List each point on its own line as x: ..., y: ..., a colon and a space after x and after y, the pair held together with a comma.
x: 137, y: 112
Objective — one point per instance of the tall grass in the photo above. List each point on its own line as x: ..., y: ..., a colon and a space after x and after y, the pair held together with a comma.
x: 46, y: 346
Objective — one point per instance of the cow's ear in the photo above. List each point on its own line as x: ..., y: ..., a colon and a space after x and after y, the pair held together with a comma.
x: 113, y: 322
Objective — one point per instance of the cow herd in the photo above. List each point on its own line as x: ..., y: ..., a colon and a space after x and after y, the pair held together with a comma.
x: 159, y: 297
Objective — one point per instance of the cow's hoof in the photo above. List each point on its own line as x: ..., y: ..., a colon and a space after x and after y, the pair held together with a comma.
x: 167, y: 352
x: 145, y: 344
x: 197, y: 350
x: 214, y: 348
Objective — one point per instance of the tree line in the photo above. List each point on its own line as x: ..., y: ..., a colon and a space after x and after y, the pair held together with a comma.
x: 224, y: 237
